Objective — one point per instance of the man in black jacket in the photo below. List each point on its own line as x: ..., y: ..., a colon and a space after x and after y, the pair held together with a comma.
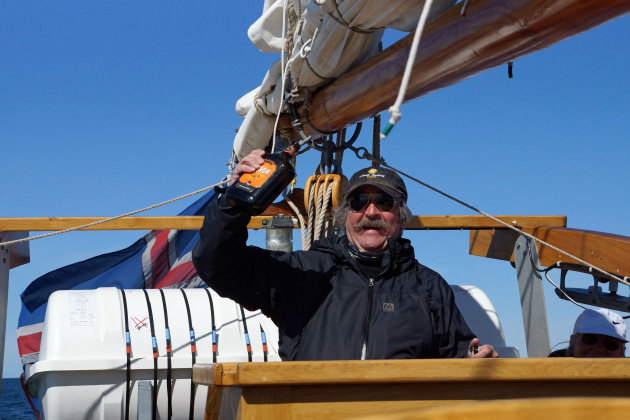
x: 359, y: 296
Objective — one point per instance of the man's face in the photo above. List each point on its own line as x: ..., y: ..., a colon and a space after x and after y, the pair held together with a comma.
x: 595, y: 345
x: 368, y: 229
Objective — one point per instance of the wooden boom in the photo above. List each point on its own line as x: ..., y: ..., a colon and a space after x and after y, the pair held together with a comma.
x: 454, y: 47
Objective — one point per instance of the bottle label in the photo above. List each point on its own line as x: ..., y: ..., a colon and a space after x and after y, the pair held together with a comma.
x: 258, y: 178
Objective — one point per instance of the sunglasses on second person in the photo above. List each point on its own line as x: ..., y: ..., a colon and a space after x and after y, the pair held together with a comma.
x: 592, y: 339
x: 360, y: 201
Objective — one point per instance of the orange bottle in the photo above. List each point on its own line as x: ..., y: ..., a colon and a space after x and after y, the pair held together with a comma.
x: 256, y: 191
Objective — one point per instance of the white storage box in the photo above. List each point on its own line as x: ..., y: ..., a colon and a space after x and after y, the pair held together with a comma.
x: 82, y: 369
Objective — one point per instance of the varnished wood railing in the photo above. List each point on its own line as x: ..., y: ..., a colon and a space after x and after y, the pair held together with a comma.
x: 341, y: 389
x: 30, y: 224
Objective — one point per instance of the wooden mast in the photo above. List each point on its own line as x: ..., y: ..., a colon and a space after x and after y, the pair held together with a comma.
x: 454, y: 47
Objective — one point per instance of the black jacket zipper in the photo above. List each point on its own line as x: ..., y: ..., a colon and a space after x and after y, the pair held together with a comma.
x: 366, y: 332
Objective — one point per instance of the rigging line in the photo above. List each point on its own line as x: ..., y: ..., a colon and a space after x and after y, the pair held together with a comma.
x: 303, y: 53
x: 562, y: 291
x: 323, y: 201
x: 169, y: 370
x: 128, y: 351
x: 154, y: 393
x: 521, y: 232
x: 282, y: 72
x: 109, y: 219
x: 193, y: 353
x: 296, y: 210
x: 247, y: 342
x: 394, y: 110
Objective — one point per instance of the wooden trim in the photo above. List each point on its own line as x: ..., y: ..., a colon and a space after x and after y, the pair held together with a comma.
x: 607, y: 251
x: 433, y: 371
x: 34, y: 224
x: 481, y: 222
x: 347, y: 389
x: 453, y: 48
x: 516, y: 409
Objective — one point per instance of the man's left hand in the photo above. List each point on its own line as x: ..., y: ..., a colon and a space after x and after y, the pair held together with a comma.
x: 476, y: 350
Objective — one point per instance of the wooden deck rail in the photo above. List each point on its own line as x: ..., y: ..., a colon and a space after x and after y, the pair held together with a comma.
x: 36, y: 224
x: 339, y: 389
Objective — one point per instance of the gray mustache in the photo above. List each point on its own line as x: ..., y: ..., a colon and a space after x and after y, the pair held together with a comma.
x: 371, y: 224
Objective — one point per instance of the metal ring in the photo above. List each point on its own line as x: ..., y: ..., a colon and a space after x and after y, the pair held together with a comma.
x: 343, y: 146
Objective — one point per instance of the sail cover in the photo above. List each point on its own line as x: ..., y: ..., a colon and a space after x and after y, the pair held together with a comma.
x: 325, y: 39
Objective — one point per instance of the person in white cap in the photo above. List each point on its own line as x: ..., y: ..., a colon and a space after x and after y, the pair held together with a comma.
x: 598, y: 333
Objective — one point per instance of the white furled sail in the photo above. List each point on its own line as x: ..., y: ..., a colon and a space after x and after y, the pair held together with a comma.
x: 326, y: 39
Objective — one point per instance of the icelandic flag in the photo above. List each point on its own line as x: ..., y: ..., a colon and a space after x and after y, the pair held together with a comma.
x: 161, y: 259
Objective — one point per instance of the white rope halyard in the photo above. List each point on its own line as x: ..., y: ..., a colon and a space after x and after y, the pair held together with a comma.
x: 299, y: 216
x: 394, y: 110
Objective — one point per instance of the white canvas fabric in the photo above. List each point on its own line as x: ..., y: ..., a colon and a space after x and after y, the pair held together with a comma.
x: 341, y: 34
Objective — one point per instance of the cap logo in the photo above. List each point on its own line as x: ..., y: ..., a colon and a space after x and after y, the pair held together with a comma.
x: 372, y: 173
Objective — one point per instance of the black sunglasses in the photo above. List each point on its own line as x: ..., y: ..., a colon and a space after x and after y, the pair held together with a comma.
x: 360, y: 201
x: 609, y: 343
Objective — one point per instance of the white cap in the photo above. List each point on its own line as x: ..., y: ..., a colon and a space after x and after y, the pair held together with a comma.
x: 601, y: 321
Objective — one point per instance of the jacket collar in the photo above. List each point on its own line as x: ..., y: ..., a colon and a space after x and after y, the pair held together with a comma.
x: 399, y: 256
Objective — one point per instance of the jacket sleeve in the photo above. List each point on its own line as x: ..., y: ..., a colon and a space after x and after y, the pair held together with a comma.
x: 254, y: 277
x: 454, y: 333
x: 222, y: 258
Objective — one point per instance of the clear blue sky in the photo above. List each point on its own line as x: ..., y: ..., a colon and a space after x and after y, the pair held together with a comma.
x: 110, y: 107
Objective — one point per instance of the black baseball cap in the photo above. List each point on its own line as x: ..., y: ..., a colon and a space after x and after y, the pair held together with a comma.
x: 383, y: 178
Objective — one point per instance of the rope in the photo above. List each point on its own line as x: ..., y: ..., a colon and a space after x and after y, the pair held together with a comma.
x: 394, y: 110
x: 128, y: 351
x: 214, y: 327
x: 328, y: 226
x: 248, y: 344
x: 311, y: 219
x: 131, y: 213
x: 28, y: 397
x: 322, y: 206
x: 299, y: 216
x: 562, y: 291
x: 340, y: 20
x: 263, y: 339
x: 193, y: 353
x: 319, y: 214
x: 169, y: 370
x: 154, y: 346
x: 507, y: 225
x: 295, y: 25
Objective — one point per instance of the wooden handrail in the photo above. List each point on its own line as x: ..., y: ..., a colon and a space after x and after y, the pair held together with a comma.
x: 347, y: 389
x: 405, y: 371
x: 37, y: 224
